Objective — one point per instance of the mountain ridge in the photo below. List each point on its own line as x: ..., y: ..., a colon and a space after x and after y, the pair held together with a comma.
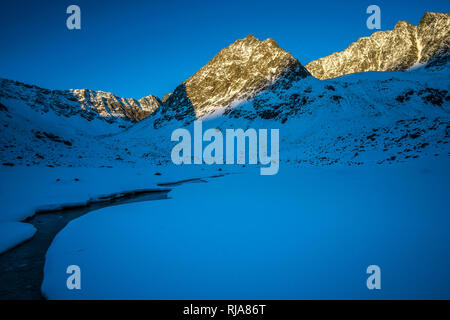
x: 89, y: 103
x: 400, y: 49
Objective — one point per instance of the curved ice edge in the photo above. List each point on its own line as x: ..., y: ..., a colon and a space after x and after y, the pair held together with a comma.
x: 13, y: 233
x: 98, y: 199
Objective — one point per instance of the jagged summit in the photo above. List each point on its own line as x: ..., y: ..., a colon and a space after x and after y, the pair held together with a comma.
x: 251, y: 40
x: 403, y: 47
x: 238, y: 72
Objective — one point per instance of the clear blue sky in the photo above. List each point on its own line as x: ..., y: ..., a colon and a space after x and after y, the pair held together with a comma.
x: 135, y: 48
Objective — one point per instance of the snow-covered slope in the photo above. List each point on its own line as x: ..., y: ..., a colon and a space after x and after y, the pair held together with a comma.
x: 40, y: 125
x: 403, y: 47
x: 375, y: 117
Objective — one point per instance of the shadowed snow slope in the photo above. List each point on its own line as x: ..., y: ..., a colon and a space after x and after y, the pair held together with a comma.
x: 373, y: 117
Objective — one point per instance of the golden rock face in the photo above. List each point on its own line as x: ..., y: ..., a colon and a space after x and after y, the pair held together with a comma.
x: 398, y: 49
x: 236, y: 73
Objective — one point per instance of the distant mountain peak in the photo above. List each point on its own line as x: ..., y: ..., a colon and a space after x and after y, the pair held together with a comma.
x: 251, y: 40
x: 238, y: 72
x: 249, y: 37
x: 399, y: 49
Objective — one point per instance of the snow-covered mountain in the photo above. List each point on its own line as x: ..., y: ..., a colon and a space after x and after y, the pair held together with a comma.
x: 372, y: 117
x: 402, y: 48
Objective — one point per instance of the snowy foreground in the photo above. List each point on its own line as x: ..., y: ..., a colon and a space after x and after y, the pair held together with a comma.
x: 27, y: 190
x: 302, y: 234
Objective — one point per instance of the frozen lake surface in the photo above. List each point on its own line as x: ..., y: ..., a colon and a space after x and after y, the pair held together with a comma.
x: 302, y: 234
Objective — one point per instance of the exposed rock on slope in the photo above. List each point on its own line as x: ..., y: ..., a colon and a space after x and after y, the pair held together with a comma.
x: 238, y: 72
x: 399, y: 49
x: 439, y: 63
